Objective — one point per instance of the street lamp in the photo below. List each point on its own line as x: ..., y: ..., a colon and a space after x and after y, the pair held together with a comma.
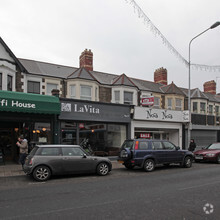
x: 189, y: 92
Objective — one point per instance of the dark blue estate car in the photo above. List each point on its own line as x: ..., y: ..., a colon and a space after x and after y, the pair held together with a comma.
x: 147, y: 153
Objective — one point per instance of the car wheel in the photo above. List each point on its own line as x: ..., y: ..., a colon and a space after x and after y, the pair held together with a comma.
x: 218, y: 158
x: 41, y: 173
x: 102, y: 169
x: 129, y: 166
x: 187, y: 162
x: 149, y: 165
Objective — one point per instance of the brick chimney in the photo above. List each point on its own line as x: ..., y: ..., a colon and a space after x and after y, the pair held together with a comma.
x: 210, y: 87
x: 86, y: 60
x: 160, y: 76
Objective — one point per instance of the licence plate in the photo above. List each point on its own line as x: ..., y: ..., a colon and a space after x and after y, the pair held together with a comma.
x: 120, y: 161
x: 198, y: 157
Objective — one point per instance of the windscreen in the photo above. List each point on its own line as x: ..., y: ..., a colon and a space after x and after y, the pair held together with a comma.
x: 129, y: 144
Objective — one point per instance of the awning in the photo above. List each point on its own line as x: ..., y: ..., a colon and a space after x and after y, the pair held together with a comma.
x: 29, y: 103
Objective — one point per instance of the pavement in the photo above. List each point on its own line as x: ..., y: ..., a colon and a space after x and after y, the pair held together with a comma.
x: 14, y: 169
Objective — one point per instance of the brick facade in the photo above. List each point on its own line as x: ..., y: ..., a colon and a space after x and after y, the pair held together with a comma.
x: 210, y: 87
x: 105, y: 94
x: 160, y: 76
x: 86, y: 60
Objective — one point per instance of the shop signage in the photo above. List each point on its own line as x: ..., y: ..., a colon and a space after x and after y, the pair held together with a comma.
x: 141, y: 113
x: 145, y: 135
x: 94, y: 111
x: 16, y: 104
x: 147, y: 101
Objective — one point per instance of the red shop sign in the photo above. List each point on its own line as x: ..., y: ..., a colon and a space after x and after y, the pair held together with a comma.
x: 147, y: 101
x: 145, y: 135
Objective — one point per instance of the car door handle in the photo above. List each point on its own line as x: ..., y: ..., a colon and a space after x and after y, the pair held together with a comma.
x: 65, y: 158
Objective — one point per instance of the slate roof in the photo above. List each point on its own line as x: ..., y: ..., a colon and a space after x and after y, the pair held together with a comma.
x: 171, y: 89
x: 82, y: 73
x: 123, y: 80
x: 20, y: 66
x: 47, y: 69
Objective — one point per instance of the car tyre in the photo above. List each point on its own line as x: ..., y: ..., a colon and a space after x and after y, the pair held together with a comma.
x: 187, y: 162
x: 129, y: 166
x: 41, y: 173
x: 102, y: 169
x: 149, y: 165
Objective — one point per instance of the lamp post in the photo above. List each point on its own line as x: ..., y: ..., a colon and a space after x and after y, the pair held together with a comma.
x: 189, y: 92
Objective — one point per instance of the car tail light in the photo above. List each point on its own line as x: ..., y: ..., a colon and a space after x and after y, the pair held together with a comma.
x: 31, y: 161
x: 136, y: 145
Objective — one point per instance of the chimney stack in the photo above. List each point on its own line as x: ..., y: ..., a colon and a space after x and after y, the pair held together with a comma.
x: 210, y: 87
x: 86, y: 60
x: 160, y: 76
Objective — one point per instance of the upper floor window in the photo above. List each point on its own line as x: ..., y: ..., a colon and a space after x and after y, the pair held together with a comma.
x: 178, y: 104
x: 50, y: 87
x: 217, y: 110
x: 0, y: 81
x: 195, y: 107
x: 169, y: 103
x: 128, y: 98
x: 156, y: 102
x: 96, y: 94
x: 210, y: 109
x: 9, y: 83
x: 72, y: 91
x: 86, y: 92
x: 202, y: 107
x: 33, y: 87
x: 117, y: 96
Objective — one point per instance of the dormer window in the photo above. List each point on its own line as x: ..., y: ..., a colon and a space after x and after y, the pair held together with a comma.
x: 9, y: 83
x: 169, y: 103
x: 85, y: 92
x: 117, y: 96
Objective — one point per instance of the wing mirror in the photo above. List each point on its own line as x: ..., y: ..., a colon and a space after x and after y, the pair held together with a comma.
x: 84, y: 156
x: 177, y: 148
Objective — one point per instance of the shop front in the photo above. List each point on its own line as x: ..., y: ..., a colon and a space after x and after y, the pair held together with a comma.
x: 102, y: 126
x: 159, y: 124
x: 34, y: 116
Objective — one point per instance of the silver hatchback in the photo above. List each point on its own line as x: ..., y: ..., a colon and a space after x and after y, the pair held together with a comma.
x: 46, y: 160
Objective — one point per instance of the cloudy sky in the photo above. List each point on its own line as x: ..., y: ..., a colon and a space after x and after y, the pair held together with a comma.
x: 58, y: 31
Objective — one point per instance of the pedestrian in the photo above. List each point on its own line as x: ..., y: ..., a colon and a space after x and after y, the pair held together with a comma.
x: 192, y: 145
x: 23, y: 145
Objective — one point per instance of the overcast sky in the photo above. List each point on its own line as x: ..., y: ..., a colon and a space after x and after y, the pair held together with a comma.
x: 58, y: 31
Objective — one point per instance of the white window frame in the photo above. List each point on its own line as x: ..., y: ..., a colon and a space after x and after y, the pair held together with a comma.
x: 72, y: 91
x: 51, y: 84
x: 129, y: 102
x: 169, y: 106
x: 203, y: 110
x: 156, y: 102
x: 117, y: 96
x: 211, y: 108
x: 86, y: 97
x: 196, y: 110
x: 178, y: 107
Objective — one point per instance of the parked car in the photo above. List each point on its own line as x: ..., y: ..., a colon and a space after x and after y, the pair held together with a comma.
x: 210, y: 153
x: 147, y: 153
x: 46, y: 160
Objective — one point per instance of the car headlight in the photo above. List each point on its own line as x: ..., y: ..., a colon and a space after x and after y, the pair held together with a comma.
x: 210, y: 155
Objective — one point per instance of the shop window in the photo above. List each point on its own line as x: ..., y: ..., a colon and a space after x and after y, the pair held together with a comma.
x: 117, y: 96
x: 128, y: 98
x: 9, y: 83
x: 0, y: 81
x: 33, y: 87
x: 169, y: 103
x: 156, y: 102
x: 178, y: 104
x: 210, y: 109
x: 50, y: 87
x: 86, y: 92
x: 217, y: 110
x: 195, y: 107
x: 202, y: 107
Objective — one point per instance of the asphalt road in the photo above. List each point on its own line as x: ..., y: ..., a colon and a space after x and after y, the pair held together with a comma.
x: 167, y: 193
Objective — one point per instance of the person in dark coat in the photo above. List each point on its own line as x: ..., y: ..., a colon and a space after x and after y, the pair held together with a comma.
x: 192, y: 145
